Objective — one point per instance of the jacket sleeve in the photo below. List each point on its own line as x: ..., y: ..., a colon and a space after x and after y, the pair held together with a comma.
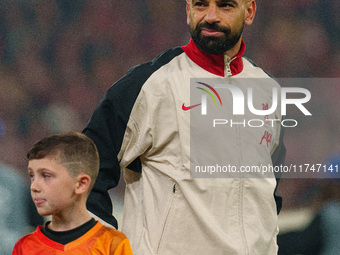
x: 278, y: 159
x: 106, y: 128
x: 101, y: 130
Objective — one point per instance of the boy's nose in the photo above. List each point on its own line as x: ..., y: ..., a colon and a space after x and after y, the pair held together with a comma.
x: 34, y: 186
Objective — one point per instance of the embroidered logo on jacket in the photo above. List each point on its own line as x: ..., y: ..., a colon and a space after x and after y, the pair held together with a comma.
x: 268, y: 137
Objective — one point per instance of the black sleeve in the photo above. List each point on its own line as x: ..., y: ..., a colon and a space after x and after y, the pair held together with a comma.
x: 279, y: 155
x: 98, y: 129
x: 278, y: 159
x: 107, y: 128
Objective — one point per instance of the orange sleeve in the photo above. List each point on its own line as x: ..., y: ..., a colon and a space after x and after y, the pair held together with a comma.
x: 124, y: 248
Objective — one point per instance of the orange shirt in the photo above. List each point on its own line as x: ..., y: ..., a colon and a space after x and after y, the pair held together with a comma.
x: 98, y: 240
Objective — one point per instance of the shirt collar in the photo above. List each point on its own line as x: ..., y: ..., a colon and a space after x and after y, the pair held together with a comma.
x: 214, y: 63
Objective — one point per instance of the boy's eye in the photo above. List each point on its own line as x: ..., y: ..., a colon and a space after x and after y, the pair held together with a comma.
x: 45, y: 175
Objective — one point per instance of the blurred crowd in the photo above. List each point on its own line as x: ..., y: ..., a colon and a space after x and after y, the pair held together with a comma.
x: 58, y: 57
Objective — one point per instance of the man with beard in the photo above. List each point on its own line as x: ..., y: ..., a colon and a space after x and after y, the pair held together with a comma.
x: 142, y: 126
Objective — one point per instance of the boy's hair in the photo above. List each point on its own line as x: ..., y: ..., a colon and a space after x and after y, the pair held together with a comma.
x: 75, y: 151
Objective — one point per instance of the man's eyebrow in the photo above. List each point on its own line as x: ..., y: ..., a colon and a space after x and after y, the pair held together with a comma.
x: 228, y: 1
x: 219, y: 1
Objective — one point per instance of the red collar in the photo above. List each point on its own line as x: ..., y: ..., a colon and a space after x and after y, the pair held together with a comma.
x: 214, y: 63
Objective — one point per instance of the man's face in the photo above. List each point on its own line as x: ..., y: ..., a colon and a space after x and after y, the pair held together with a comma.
x: 216, y: 26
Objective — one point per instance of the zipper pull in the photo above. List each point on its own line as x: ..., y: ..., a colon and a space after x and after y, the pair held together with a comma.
x: 227, y: 61
x: 174, y: 188
x: 229, y: 74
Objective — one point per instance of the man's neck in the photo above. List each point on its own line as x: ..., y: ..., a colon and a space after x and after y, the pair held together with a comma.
x: 235, y: 50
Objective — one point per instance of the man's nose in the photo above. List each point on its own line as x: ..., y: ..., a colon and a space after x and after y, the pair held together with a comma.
x: 212, y: 14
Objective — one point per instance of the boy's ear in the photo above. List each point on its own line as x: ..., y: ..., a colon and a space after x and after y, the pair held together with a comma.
x: 83, y: 184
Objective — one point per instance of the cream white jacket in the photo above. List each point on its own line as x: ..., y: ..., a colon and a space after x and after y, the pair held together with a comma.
x: 141, y: 127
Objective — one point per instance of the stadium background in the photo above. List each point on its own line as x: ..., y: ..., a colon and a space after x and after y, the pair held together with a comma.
x: 58, y: 57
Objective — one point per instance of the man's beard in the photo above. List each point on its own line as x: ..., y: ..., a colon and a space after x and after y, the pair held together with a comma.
x: 215, y: 44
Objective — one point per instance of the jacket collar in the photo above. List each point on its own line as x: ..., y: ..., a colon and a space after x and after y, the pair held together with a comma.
x: 214, y: 63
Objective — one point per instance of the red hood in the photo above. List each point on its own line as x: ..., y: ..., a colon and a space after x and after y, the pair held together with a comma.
x: 214, y: 63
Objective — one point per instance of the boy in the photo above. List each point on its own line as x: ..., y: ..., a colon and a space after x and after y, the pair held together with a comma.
x: 63, y: 169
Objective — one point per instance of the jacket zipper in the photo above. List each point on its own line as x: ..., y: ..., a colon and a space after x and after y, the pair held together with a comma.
x: 228, y: 74
x: 240, y: 191
x: 227, y: 61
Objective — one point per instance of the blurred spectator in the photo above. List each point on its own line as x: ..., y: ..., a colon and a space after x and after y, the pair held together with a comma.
x: 321, y: 236
x: 17, y: 213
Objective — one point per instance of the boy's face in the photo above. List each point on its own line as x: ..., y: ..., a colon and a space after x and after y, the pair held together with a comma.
x: 52, y: 188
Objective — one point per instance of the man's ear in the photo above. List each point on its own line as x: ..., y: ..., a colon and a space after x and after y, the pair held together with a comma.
x: 250, y: 12
x: 83, y: 184
x: 188, y: 11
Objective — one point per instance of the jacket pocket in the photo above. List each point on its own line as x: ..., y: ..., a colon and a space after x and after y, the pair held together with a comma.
x: 168, y: 217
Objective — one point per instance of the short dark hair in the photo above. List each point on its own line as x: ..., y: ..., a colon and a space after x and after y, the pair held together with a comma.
x: 75, y: 151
